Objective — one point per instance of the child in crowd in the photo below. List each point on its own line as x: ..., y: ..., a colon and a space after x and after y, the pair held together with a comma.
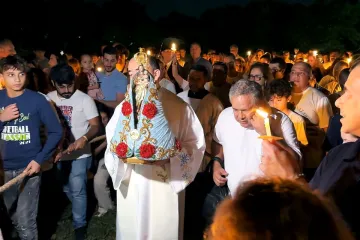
x: 101, y: 188
x: 21, y: 148
x: 87, y: 67
x: 278, y: 94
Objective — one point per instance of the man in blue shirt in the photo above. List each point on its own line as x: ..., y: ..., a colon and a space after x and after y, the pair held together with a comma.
x: 112, y: 82
x: 22, y: 114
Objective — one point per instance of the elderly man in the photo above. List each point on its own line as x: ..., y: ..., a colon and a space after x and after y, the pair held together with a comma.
x: 338, y: 174
x: 236, y: 139
x: 155, y: 148
x: 195, y: 52
x: 316, y: 109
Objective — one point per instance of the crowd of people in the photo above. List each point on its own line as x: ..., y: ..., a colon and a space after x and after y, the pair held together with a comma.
x: 200, y: 145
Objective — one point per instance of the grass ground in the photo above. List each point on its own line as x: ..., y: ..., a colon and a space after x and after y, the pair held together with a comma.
x: 55, y: 217
x: 102, y: 228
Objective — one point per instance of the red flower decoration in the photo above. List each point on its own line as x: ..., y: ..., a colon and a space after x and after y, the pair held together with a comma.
x: 147, y: 150
x: 177, y: 144
x: 121, y: 149
x: 149, y: 110
x: 126, y: 109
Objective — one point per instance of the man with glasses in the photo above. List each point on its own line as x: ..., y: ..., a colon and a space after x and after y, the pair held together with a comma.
x: 277, y: 67
x: 315, y: 107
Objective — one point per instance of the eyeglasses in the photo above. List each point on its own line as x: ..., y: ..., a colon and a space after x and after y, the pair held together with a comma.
x: 275, y: 70
x: 256, y: 77
x: 298, y: 74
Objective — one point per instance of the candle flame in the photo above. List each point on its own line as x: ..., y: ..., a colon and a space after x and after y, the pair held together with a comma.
x: 148, y: 52
x: 349, y: 60
x: 262, y: 113
x: 249, y: 53
x: 99, y: 69
x: 315, y: 52
x: 173, y: 47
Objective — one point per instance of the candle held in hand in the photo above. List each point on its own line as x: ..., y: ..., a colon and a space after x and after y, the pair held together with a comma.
x: 266, y: 121
x: 173, y: 47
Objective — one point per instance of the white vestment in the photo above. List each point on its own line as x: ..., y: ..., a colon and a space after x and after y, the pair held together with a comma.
x: 150, y: 199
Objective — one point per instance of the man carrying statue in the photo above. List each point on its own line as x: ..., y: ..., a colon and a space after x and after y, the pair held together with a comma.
x: 155, y: 148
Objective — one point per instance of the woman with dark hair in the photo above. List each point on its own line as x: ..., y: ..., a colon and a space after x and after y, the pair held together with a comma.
x: 55, y: 58
x: 260, y: 73
x: 266, y: 209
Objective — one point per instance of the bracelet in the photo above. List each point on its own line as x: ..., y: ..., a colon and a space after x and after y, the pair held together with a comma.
x: 217, y: 159
x: 300, y: 175
x: 85, y: 138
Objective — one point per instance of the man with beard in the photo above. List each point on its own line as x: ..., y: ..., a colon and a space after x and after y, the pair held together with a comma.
x: 206, y: 105
x: 155, y: 148
x: 80, y: 117
x: 112, y: 82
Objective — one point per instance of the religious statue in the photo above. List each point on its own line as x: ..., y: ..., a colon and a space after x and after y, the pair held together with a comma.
x: 143, y: 132
x: 155, y: 145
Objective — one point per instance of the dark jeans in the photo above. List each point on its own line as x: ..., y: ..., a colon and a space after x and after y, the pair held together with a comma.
x: 21, y: 201
x: 75, y: 178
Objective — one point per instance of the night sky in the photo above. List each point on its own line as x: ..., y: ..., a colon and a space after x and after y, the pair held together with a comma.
x: 160, y: 8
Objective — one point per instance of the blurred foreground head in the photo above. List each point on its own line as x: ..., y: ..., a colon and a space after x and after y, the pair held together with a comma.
x: 277, y: 209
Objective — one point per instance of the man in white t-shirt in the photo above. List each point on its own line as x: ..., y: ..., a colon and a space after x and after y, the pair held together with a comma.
x: 80, y: 116
x: 236, y: 140
x: 315, y: 107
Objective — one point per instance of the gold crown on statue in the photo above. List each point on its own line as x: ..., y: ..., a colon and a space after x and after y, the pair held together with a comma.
x: 141, y: 57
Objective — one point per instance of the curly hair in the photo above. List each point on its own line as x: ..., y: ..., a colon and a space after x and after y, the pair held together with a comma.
x: 280, y: 88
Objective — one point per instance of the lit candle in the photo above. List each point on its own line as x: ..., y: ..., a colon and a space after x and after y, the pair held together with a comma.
x: 315, y: 52
x: 266, y: 121
x: 349, y: 60
x: 148, y: 52
x: 249, y: 53
x: 173, y: 47
x: 99, y: 69
x: 305, y: 60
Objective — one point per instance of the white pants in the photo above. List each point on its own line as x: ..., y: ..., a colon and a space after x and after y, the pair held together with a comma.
x: 101, y: 189
x: 147, y: 206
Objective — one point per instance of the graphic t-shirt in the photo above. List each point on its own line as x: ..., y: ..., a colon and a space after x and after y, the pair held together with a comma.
x: 76, y: 113
x: 20, y: 138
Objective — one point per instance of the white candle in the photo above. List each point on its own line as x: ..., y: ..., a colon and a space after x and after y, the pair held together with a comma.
x: 267, y: 126
x: 173, y: 47
x: 266, y: 121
